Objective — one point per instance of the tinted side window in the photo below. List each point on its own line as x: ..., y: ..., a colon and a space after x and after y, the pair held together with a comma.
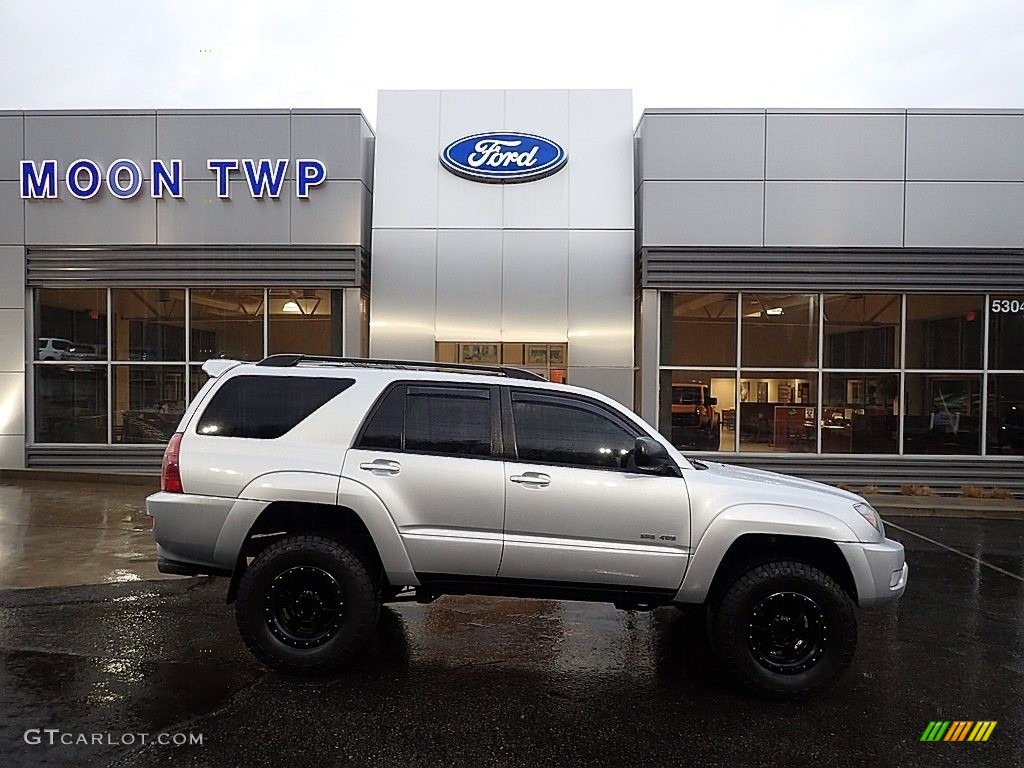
x: 450, y: 420
x: 266, y: 407
x: 553, y: 430
x: 384, y: 429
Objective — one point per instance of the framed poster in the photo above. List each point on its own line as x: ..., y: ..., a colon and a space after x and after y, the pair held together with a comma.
x: 762, y: 391
x: 480, y: 353
x: 537, y: 354
x: 744, y: 391
x: 785, y: 393
x: 557, y: 355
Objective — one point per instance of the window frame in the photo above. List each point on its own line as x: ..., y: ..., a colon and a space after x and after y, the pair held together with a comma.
x: 579, y: 402
x: 497, y: 441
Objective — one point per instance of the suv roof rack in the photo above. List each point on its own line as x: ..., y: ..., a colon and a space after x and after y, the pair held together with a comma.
x: 289, y: 361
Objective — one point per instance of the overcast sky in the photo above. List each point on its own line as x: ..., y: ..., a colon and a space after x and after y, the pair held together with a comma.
x: 63, y: 54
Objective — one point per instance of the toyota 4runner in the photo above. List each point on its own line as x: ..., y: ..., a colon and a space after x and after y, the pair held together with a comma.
x: 323, y: 487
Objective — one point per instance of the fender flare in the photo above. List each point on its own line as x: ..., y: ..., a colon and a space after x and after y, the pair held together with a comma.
x: 315, y: 488
x: 768, y: 519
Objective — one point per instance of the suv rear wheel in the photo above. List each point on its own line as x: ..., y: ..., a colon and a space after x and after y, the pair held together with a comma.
x: 306, y: 605
x: 784, y: 629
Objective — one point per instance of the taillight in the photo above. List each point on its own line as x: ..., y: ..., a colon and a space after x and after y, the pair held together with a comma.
x: 170, y: 472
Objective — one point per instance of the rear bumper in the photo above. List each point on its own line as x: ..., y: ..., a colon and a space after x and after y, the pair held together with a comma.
x: 879, y: 571
x: 186, y: 528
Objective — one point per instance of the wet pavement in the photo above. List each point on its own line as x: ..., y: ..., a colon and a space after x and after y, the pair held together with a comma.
x: 56, y: 533
x: 491, y: 682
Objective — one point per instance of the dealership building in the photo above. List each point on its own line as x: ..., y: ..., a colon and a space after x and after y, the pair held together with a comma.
x: 833, y: 293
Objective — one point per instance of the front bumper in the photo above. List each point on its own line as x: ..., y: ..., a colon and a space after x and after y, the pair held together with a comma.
x: 879, y: 571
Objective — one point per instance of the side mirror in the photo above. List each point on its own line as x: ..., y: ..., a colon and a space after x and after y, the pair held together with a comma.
x: 651, y: 455
x: 711, y: 401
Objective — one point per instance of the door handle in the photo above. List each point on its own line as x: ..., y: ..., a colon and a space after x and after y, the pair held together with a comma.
x: 387, y: 466
x: 538, y: 479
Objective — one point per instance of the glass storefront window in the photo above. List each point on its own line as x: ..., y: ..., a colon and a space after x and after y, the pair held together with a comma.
x: 227, y: 322
x: 71, y: 324
x: 942, y: 414
x: 149, y: 401
x: 698, y: 329
x: 778, y: 411
x: 858, y: 413
x: 780, y: 330
x: 71, y: 403
x: 862, y: 330
x: 304, y: 321
x: 944, y: 332
x: 1006, y: 414
x: 698, y: 410
x: 197, y: 377
x: 148, y: 324
x: 1006, y: 333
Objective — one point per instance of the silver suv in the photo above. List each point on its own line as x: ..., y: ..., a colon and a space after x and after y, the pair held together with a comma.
x: 323, y: 487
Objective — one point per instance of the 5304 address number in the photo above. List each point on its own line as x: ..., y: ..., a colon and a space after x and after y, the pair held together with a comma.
x: 1013, y: 306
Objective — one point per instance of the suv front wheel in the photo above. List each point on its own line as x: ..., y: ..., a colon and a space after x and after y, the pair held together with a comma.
x: 306, y: 605
x: 784, y: 629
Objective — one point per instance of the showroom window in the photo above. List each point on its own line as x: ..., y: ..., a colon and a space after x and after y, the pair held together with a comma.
x: 120, y: 365
x: 546, y: 359
x: 842, y: 373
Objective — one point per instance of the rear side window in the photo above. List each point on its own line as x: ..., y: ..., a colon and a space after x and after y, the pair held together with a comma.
x: 265, y: 407
x: 451, y: 421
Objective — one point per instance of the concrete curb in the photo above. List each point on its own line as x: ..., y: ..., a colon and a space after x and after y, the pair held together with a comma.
x: 945, y: 506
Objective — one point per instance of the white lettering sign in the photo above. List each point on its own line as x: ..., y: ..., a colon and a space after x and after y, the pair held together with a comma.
x: 489, y: 152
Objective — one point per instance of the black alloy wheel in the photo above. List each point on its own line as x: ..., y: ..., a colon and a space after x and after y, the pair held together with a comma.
x: 304, y: 606
x: 788, y: 633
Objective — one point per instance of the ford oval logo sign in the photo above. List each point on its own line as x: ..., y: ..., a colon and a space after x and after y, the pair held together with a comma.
x: 503, y: 158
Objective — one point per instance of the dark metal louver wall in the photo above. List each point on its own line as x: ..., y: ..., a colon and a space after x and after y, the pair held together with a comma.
x: 832, y: 269
x: 143, y: 459
x: 200, y: 267
x: 942, y: 473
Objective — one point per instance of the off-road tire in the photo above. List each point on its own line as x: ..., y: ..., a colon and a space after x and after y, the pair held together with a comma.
x: 360, y: 607
x: 731, y: 617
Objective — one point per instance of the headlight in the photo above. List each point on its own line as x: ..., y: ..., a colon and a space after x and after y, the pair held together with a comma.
x: 868, y: 513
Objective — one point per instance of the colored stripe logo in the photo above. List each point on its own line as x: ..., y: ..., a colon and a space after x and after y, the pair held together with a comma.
x: 958, y: 730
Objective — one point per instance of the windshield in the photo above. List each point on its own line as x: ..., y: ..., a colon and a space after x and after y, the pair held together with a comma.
x: 686, y: 395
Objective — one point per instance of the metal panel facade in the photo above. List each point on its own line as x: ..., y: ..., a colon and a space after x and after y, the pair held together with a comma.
x: 965, y: 147
x: 702, y: 147
x: 702, y: 212
x: 965, y: 214
x: 100, y: 136
x: 12, y: 144
x: 835, y: 147
x: 833, y: 213
x: 459, y: 260
x: 402, y: 318
x: 101, y: 220
x: 469, y: 296
x: 535, y: 285
x: 12, y: 214
x: 195, y: 138
x: 831, y: 179
x: 12, y: 357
